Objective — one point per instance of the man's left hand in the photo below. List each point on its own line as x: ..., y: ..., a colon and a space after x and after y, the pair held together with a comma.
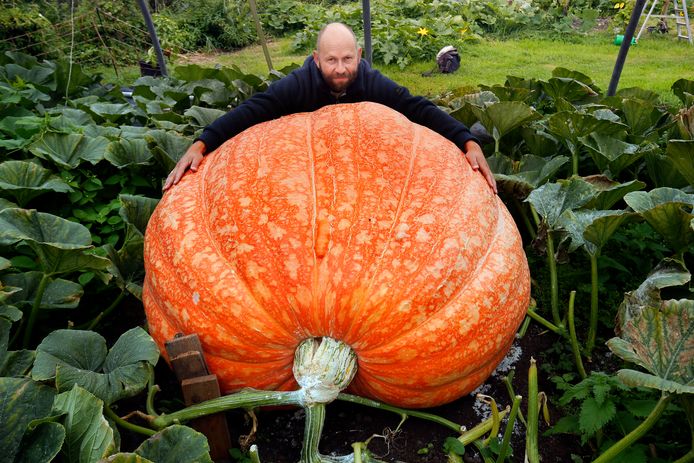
x: 475, y: 156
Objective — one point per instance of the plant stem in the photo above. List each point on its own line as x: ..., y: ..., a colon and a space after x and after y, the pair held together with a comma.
x: 637, y: 432
x: 45, y: 279
x: 402, y: 412
x: 546, y: 323
x: 508, y: 382
x: 496, y: 421
x: 525, y: 218
x: 313, y: 427
x: 509, y: 429
x: 470, y: 436
x: 593, y: 327
x: 574, y: 340
x: 554, y: 284
x: 531, y: 448
x: 151, y: 390
x: 104, y: 313
x: 574, y: 159
x: 127, y: 425
x: 247, y: 398
x: 253, y: 453
x: 523, y: 328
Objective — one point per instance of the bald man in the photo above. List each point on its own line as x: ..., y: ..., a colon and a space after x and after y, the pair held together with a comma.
x: 334, y: 73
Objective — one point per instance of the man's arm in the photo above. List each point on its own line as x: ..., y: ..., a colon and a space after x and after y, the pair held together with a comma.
x: 422, y: 111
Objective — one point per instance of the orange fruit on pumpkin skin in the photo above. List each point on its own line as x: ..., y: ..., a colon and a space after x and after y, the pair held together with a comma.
x: 350, y: 222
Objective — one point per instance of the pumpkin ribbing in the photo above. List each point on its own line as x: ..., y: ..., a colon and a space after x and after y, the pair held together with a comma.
x: 350, y: 222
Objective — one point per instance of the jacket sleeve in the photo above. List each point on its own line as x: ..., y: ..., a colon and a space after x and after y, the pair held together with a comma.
x: 276, y: 101
x: 418, y: 109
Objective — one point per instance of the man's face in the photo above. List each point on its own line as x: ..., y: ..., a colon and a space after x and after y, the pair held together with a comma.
x: 337, y: 58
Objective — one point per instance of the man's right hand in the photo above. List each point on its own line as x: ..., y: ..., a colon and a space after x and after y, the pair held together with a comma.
x: 191, y: 160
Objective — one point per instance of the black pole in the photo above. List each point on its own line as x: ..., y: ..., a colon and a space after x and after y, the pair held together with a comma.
x: 366, y: 12
x: 624, y: 49
x: 153, y: 36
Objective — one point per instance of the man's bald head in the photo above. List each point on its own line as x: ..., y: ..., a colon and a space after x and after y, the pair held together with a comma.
x: 336, y: 31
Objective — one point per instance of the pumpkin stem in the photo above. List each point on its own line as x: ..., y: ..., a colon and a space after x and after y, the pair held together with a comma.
x: 323, y: 367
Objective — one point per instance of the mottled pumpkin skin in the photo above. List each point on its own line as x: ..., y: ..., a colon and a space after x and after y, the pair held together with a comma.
x: 349, y: 222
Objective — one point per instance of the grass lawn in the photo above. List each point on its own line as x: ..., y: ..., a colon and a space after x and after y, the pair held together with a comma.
x: 654, y: 63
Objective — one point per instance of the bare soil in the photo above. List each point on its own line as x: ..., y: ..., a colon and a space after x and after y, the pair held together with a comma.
x: 279, y: 434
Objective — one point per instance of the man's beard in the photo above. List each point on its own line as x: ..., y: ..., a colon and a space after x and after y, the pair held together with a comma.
x: 339, y: 83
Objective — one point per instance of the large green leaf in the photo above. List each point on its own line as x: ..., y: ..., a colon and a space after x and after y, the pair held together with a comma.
x: 573, y: 74
x: 612, y: 154
x: 551, y: 200
x: 657, y: 335
x: 568, y: 88
x: 88, y: 436
x: 20, y: 130
x: 17, y: 363
x: 26, y: 180
x: 74, y: 357
x: 41, y: 444
x: 128, y: 152
x: 137, y: 210
x: 68, y: 120
x: 465, y: 112
x: 609, y: 192
x: 21, y: 401
x: 501, y: 118
x: 668, y: 211
x: 59, y: 294
x: 641, y: 116
x: 681, y: 153
x: 40, y: 227
x: 518, y: 179
x: 539, y: 142
x: 5, y: 204
x: 70, y: 78
x: 572, y: 125
x: 505, y: 93
x: 85, y: 350
x: 212, y: 92
x: 128, y: 262
x: 202, y: 117
x: 113, y: 112
x: 167, y: 147
x: 176, y: 444
x: 637, y: 93
x: 592, y: 229
x: 684, y: 89
x: 662, y: 171
x: 59, y: 244
x: 69, y: 150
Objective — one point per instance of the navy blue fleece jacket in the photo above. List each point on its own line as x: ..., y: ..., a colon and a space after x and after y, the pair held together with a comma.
x: 305, y: 90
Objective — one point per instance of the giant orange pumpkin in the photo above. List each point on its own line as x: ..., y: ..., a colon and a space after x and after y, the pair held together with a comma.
x: 350, y: 222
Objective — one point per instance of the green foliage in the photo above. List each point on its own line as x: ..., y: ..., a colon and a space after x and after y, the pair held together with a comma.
x: 25, y: 28
x: 597, y: 398
x: 76, y: 149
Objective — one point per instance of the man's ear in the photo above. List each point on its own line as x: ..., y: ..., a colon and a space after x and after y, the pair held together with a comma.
x: 359, y: 54
x: 315, y: 58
